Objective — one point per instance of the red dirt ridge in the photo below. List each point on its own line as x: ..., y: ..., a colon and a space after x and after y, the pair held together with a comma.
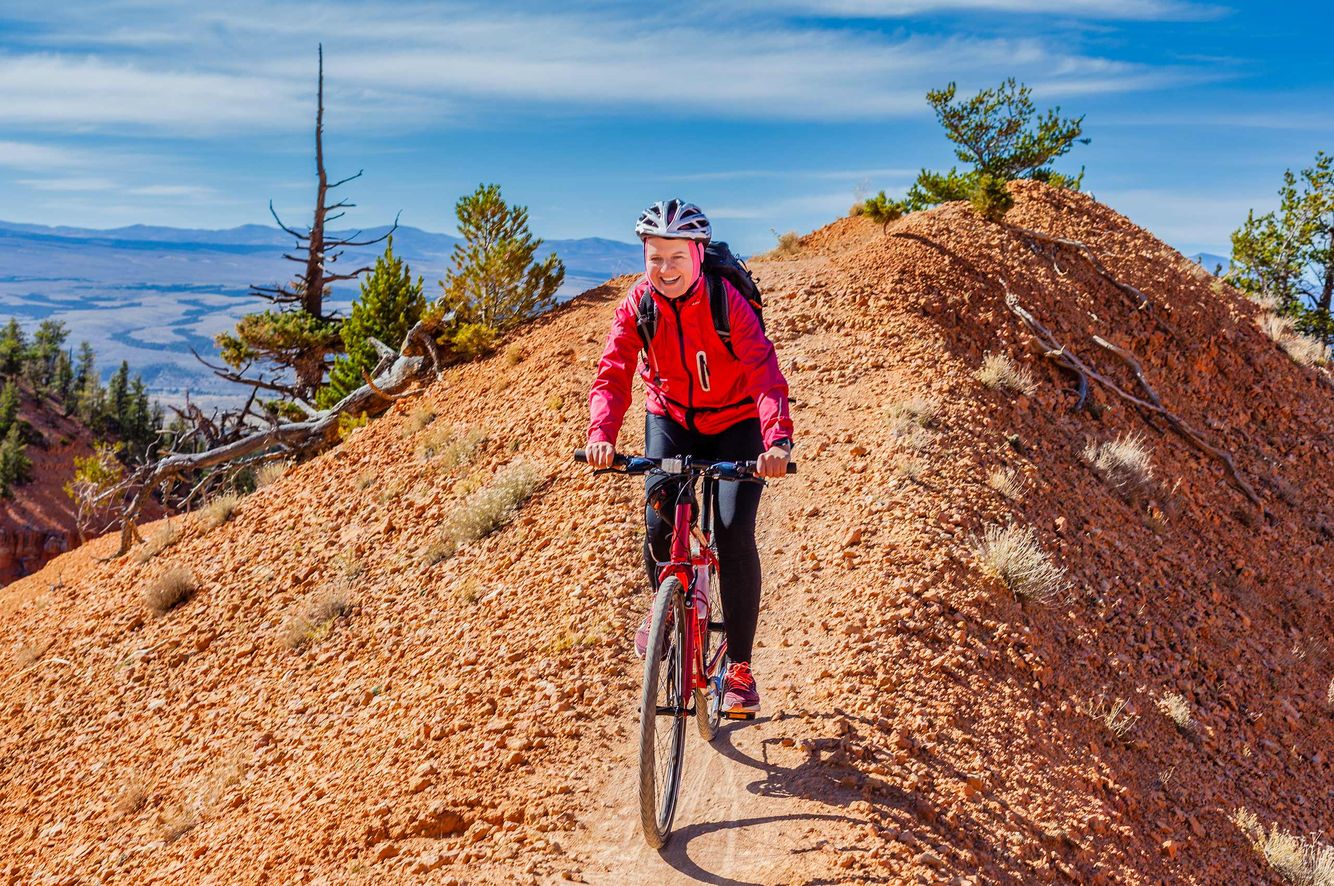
x: 472, y: 721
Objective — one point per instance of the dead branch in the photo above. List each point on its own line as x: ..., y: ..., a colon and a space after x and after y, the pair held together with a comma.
x: 315, y: 434
x: 1177, y: 422
x: 1070, y: 361
x: 1141, y: 300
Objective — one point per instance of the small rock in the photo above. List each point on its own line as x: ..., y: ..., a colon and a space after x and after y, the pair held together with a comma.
x: 853, y: 537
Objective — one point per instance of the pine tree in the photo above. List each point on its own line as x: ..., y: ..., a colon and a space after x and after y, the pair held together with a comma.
x: 1288, y: 255
x: 13, y: 348
x: 999, y: 134
x: 118, y: 392
x: 389, y: 305
x: 15, y: 466
x: 45, y: 350
x: 64, y: 381
x: 87, y: 386
x: 495, y: 283
x: 9, y: 407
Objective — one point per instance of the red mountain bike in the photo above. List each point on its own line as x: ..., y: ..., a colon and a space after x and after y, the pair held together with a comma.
x: 686, y: 656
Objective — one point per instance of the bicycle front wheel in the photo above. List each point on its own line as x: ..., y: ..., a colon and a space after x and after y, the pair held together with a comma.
x: 662, y: 714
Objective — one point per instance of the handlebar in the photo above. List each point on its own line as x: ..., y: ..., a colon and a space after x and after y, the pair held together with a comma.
x: 641, y: 464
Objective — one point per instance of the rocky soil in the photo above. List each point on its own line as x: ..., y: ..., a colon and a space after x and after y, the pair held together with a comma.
x: 472, y: 719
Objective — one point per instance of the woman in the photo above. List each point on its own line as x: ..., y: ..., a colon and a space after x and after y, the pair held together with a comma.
x: 704, y: 399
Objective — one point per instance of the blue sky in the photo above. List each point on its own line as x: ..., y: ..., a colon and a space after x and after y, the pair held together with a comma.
x: 771, y: 115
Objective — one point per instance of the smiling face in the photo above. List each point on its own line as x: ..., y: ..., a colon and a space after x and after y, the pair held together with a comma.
x: 672, y: 265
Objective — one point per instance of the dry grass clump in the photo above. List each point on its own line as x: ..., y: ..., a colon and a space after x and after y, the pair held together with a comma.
x: 132, y: 796
x: 1124, y: 463
x: 1007, y: 482
x: 1303, y: 861
x: 219, y: 510
x: 1177, y: 709
x: 910, y: 422
x: 485, y: 511
x: 318, y: 619
x: 1001, y: 373
x: 157, y: 543
x: 418, y: 419
x: 905, y: 415
x: 909, y: 467
x: 1303, y: 349
x: 1012, y: 555
x: 171, y: 589
x: 178, y: 820
x: 271, y: 472
x: 1329, y: 696
x: 449, y: 447
x: 1114, y: 716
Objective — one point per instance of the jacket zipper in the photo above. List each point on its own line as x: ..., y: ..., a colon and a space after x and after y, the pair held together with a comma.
x: 690, y: 379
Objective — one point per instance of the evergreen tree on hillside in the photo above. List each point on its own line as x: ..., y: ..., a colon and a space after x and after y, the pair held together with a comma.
x: 1288, y: 255
x: 63, y: 382
x: 118, y: 395
x: 9, y: 407
x: 1001, y: 137
x: 13, y: 348
x: 87, y: 386
x: 495, y: 283
x: 389, y: 305
x: 15, y: 466
x: 44, y: 352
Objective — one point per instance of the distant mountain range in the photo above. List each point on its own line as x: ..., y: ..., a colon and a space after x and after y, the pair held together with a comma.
x: 148, y: 294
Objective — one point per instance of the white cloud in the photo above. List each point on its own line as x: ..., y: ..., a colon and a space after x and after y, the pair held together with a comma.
x: 68, y: 184
x: 89, y: 92
x: 34, y: 156
x: 1145, y: 10
x: 408, y: 66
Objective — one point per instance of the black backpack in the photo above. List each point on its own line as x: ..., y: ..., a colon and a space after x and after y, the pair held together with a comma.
x: 719, y: 264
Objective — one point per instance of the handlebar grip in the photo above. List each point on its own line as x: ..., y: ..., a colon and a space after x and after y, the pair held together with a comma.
x: 580, y: 455
x: 792, y: 467
x: 619, y: 460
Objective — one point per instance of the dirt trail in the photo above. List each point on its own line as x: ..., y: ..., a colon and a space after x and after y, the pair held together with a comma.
x: 470, y: 719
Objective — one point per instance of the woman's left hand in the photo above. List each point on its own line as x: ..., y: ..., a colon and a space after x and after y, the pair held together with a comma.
x: 772, y: 463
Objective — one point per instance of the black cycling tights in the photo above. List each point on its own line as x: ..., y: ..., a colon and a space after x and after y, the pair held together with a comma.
x: 734, y: 524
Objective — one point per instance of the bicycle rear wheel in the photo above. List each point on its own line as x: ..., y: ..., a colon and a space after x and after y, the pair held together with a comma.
x: 662, y: 717
x: 709, y: 702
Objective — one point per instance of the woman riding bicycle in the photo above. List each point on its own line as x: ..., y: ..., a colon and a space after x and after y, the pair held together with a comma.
x: 705, y: 400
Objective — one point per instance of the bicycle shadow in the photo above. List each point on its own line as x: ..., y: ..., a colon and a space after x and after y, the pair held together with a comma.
x: 677, y: 852
x: 810, y: 780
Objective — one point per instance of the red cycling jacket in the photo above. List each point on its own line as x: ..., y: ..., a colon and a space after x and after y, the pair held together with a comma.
x: 690, y: 376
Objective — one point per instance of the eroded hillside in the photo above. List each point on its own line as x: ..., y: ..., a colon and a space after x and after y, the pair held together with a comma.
x: 472, y: 718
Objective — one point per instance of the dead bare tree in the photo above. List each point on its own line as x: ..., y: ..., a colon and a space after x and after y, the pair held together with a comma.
x: 299, y: 337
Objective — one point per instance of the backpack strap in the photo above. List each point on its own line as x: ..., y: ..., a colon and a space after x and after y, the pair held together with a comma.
x: 646, y: 318
x: 722, y: 320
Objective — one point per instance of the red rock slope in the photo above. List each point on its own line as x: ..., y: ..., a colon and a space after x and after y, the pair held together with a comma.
x: 472, y: 720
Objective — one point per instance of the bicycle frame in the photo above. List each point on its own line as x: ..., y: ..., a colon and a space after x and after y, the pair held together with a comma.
x: 683, y: 565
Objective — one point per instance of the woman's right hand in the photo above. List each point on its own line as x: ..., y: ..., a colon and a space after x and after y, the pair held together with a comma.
x: 600, y: 454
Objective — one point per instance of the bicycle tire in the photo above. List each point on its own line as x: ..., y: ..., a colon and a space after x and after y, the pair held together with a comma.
x: 709, y: 705
x: 662, y: 741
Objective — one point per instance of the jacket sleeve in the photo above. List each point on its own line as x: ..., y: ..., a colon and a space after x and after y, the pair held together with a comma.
x: 610, y: 396
x: 764, y: 380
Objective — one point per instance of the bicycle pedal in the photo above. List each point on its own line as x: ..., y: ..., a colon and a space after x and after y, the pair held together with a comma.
x: 738, y: 715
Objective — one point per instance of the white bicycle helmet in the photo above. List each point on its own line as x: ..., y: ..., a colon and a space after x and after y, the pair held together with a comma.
x: 675, y: 220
